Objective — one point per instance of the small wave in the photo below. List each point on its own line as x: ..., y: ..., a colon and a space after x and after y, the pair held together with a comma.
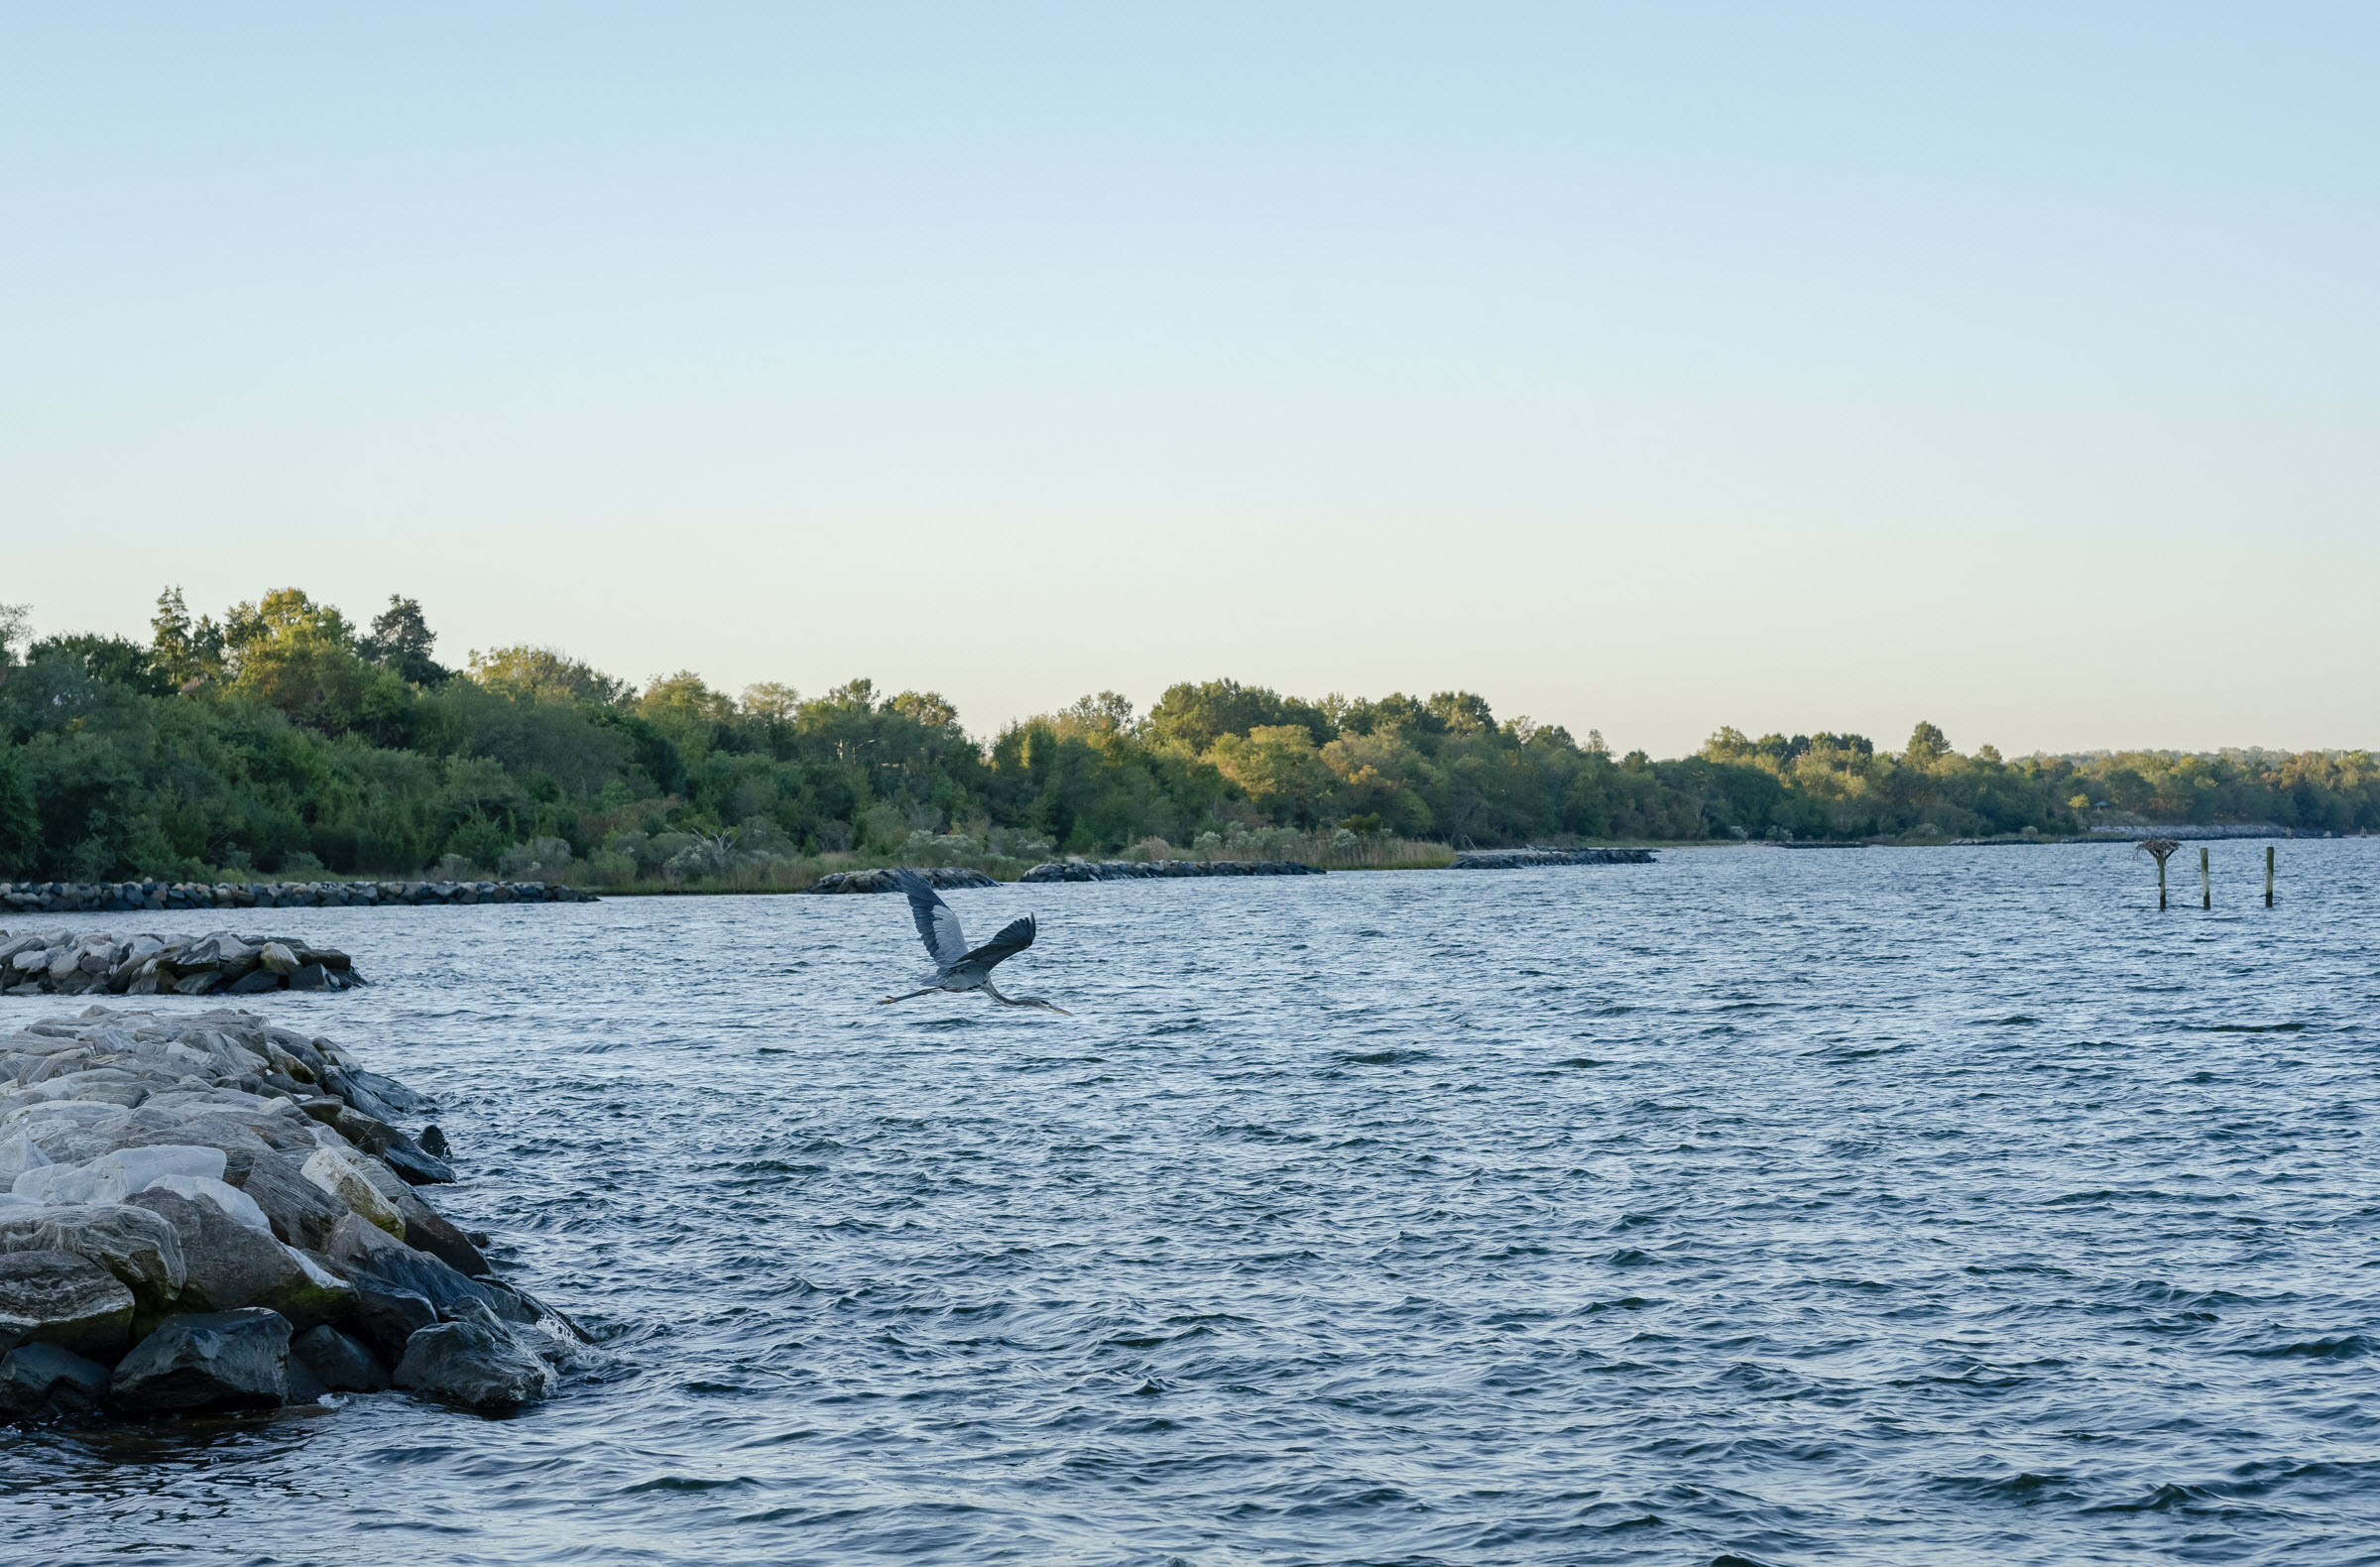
x: 2167, y: 1498
x: 2025, y: 1486
x: 2346, y: 1346
x: 688, y: 1483
x: 2247, y: 1028
x: 1382, y: 1057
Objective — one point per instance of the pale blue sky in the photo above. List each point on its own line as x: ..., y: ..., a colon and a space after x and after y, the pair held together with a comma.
x: 1645, y: 368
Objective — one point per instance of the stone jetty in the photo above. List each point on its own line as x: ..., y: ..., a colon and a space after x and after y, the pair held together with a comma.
x: 82, y: 962
x: 207, y: 1212
x: 1137, y: 870
x: 68, y: 897
x: 943, y: 877
x: 1515, y: 859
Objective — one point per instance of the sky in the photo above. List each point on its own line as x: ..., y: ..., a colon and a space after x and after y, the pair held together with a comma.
x: 1642, y: 368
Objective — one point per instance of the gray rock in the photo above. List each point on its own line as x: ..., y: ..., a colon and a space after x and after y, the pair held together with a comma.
x: 240, y: 1145
x: 366, y: 1254
x: 138, y: 1246
x: 304, y: 1385
x: 393, y: 1148
x: 251, y: 983
x: 227, y: 1265
x: 216, y: 1360
x: 426, y: 1230
x: 34, y: 1376
x: 300, y: 1212
x: 62, y: 1299
x: 385, y: 1318
x: 397, y: 1099
x: 308, y: 975
x: 474, y: 1360
x: 339, y: 1362
x: 414, y: 1166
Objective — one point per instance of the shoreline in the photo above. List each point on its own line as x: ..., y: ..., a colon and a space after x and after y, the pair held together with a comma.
x: 71, y: 898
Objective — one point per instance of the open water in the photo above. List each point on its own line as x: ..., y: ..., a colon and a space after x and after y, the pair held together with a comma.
x: 1880, y: 1206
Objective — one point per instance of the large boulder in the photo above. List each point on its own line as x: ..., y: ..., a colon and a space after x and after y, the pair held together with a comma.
x: 364, y: 1256
x: 340, y: 1173
x: 60, y: 1299
x: 216, y: 1360
x: 229, y: 1200
x: 412, y: 1164
x: 239, y: 1144
x: 227, y: 1264
x: 475, y: 1360
x: 116, y: 1175
x: 299, y: 1212
x: 339, y: 1361
x: 34, y: 1376
x: 427, y: 1230
x: 385, y: 1318
x: 137, y: 1246
x: 303, y: 1387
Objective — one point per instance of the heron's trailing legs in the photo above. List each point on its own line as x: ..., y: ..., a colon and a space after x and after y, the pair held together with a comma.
x: 906, y: 995
x: 1023, y: 1000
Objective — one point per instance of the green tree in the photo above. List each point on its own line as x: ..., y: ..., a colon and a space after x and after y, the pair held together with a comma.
x: 399, y: 642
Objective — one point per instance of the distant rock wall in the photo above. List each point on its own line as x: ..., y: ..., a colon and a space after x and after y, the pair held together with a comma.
x: 65, y: 898
x: 943, y: 878
x: 1515, y: 859
x: 78, y: 963
x: 2187, y: 833
x: 1137, y: 870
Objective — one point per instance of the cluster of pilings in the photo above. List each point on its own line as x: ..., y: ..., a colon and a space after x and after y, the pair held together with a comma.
x: 2160, y: 849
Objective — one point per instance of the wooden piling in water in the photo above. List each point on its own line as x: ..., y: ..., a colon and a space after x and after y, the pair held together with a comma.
x: 2205, y: 881
x: 2157, y: 849
x: 2268, y: 875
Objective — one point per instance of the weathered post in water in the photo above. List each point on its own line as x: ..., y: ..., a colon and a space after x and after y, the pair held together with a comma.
x: 2158, y: 847
x: 2268, y: 875
x: 2205, y: 881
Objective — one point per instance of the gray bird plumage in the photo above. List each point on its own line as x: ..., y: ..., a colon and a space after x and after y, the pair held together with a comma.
x: 956, y: 966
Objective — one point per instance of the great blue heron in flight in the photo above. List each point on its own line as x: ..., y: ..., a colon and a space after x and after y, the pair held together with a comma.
x: 955, y: 966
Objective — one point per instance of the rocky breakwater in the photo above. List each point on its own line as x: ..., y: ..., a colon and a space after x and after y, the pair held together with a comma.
x: 67, y: 897
x: 943, y: 877
x: 1515, y: 859
x: 1138, y: 870
x: 204, y: 1212
x: 79, y: 962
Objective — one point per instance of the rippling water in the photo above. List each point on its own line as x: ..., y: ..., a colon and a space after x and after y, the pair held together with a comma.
x: 1875, y: 1206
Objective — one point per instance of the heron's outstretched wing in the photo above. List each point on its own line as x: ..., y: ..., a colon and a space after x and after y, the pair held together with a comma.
x: 936, y: 923
x: 1014, y: 937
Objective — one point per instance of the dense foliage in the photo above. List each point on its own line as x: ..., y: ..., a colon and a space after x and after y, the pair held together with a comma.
x: 283, y: 739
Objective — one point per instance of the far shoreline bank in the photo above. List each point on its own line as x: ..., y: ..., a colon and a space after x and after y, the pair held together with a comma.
x: 24, y: 900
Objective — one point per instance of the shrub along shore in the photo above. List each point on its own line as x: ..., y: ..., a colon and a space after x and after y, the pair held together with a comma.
x: 206, y: 1211
x: 284, y: 740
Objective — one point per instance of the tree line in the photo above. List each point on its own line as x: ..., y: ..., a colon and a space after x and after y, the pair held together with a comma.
x: 283, y: 738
